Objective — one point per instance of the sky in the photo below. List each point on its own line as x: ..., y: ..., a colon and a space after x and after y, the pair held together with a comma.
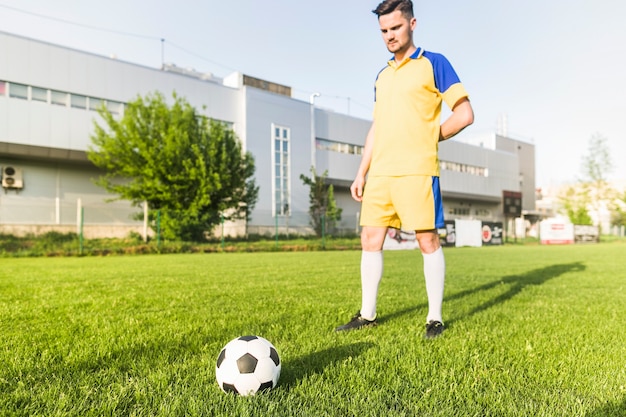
x: 547, y: 72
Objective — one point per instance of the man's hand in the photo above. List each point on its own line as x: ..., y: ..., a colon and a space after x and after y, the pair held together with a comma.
x: 357, y: 188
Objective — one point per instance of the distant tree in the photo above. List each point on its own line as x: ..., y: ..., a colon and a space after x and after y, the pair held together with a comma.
x: 575, y: 203
x: 618, y: 216
x: 188, y: 167
x: 597, y: 165
x: 593, y: 189
x: 323, y: 210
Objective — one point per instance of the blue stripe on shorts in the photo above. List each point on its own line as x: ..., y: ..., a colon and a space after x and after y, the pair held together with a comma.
x: 439, y: 221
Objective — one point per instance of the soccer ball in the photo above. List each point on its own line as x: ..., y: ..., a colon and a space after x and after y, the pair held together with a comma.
x: 246, y: 365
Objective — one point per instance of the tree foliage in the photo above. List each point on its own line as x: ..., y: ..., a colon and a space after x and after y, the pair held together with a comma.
x: 191, y: 169
x: 597, y: 164
x: 323, y: 210
x: 593, y: 191
x: 618, y: 217
x: 575, y: 202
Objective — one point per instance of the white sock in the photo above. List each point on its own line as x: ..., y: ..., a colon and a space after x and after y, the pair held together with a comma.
x: 434, y: 274
x: 371, y: 274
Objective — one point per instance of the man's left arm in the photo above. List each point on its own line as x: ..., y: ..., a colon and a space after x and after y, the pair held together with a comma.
x: 461, y: 117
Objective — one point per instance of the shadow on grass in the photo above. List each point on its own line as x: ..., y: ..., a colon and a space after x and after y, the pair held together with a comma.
x: 297, y: 369
x: 609, y: 410
x: 516, y: 282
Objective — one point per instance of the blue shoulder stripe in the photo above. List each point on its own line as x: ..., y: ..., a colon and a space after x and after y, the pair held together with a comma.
x: 381, y: 70
x: 445, y: 76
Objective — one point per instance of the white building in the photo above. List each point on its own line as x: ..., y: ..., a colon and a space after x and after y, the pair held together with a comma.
x: 48, y: 97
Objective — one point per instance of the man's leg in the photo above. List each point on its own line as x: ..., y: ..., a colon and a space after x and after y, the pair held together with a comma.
x: 434, y: 275
x: 372, y: 239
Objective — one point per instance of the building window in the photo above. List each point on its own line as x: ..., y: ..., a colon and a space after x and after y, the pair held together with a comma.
x: 58, y: 98
x: 94, y: 103
x: 18, y: 91
x: 78, y: 101
x: 340, y: 147
x: 280, y: 171
x: 464, y: 168
x: 39, y: 94
x: 459, y: 211
x: 114, y: 107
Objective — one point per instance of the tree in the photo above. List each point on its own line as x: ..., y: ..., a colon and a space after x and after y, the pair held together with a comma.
x: 593, y: 190
x: 575, y: 202
x: 618, y: 216
x: 188, y: 167
x: 597, y: 165
x: 323, y: 210
x: 597, y: 162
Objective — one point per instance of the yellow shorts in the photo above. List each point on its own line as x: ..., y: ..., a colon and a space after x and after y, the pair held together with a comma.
x: 409, y: 202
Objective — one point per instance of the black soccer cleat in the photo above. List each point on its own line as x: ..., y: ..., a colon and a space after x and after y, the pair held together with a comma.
x: 357, y: 322
x: 434, y: 329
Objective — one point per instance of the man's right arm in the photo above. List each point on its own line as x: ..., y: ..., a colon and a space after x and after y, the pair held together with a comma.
x: 461, y: 117
x: 356, y: 189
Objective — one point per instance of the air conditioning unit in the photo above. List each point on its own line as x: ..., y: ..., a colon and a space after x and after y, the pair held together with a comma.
x: 12, y: 177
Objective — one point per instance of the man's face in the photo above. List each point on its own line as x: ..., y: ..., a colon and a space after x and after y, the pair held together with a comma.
x: 397, y: 31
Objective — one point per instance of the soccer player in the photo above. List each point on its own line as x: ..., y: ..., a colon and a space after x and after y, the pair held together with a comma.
x: 400, y: 159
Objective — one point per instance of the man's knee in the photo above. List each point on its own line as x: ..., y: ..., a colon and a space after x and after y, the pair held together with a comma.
x: 373, y: 238
x: 428, y: 241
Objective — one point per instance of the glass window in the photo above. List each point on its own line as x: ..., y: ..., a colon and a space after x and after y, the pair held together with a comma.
x: 339, y: 147
x: 39, y: 94
x: 281, y: 145
x: 18, y: 91
x: 94, y: 103
x: 58, y: 97
x: 78, y: 101
x: 464, y: 168
x: 3, y: 88
x: 115, y: 107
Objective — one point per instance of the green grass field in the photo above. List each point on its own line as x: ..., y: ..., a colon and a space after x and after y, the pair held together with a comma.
x: 532, y: 331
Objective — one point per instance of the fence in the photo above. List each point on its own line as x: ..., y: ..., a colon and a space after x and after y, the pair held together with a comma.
x: 37, y: 215
x: 298, y: 223
x: 93, y: 218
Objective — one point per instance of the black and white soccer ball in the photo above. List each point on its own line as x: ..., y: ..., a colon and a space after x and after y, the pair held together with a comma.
x: 247, y: 365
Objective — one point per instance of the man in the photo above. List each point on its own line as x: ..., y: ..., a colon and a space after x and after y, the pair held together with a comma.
x: 400, y: 159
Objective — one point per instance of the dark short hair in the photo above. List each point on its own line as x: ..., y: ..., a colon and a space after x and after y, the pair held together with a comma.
x: 390, y: 6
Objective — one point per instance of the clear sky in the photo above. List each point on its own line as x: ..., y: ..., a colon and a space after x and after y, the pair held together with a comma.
x: 553, y: 70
